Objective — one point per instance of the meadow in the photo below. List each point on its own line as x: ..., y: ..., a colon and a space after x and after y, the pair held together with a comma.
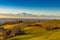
x: 45, y: 30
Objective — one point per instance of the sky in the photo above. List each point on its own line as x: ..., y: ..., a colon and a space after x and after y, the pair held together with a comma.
x: 37, y: 7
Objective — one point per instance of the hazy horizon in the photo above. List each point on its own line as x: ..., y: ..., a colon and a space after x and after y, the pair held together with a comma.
x: 36, y: 7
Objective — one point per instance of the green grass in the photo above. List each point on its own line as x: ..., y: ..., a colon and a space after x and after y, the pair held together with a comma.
x: 37, y: 33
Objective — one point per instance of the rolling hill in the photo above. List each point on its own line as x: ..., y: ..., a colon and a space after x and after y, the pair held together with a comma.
x: 34, y: 32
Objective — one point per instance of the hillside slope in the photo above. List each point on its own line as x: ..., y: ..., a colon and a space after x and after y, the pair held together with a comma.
x: 36, y: 33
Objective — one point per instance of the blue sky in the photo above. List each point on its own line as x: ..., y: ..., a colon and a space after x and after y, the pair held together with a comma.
x: 39, y: 7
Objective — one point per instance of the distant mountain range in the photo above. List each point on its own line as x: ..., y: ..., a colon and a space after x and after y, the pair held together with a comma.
x: 19, y: 14
x: 25, y: 15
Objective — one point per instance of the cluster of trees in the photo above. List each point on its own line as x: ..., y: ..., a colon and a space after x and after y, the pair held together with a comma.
x: 14, y: 31
x: 52, y: 27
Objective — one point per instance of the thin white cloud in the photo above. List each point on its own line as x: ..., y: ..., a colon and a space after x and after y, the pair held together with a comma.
x: 29, y: 11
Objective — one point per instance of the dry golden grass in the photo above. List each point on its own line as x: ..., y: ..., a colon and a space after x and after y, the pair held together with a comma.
x: 38, y: 32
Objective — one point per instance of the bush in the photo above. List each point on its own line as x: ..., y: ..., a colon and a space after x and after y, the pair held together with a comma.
x: 52, y: 27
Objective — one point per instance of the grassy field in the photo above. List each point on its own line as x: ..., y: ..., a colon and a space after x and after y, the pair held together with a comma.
x: 38, y: 33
